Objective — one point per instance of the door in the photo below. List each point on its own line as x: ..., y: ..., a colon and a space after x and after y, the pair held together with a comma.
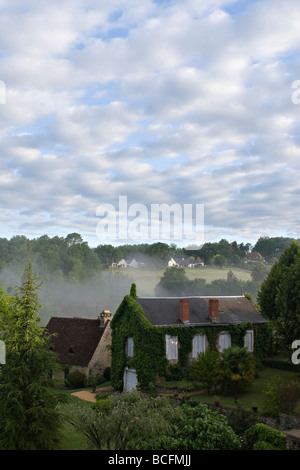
x: 129, y: 379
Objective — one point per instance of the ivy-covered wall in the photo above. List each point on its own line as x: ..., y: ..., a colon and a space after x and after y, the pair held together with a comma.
x: 149, y: 359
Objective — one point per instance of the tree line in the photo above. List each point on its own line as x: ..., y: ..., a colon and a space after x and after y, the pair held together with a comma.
x: 71, y: 257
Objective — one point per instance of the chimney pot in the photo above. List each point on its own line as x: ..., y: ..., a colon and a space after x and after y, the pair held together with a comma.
x: 184, y: 310
x: 214, y: 310
x: 104, y: 316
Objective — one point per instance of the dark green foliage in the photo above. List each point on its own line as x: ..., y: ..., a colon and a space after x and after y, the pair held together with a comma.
x: 134, y: 421
x: 279, y: 298
x: 199, y: 429
x: 205, y: 369
x: 237, y: 370
x: 281, y: 396
x: 261, y: 437
x: 149, y: 359
x: 133, y: 291
x: 174, y: 282
x: 272, y: 247
x: 106, y: 374
x: 75, y: 379
x: 28, y: 416
x: 129, y: 320
x: 125, y: 421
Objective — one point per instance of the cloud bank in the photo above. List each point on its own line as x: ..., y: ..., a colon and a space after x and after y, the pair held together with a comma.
x: 161, y: 101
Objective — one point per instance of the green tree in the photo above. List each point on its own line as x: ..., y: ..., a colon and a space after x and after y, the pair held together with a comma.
x: 279, y: 298
x: 261, y: 437
x: 173, y: 280
x: 203, y: 429
x: 126, y: 421
x: 219, y: 261
x: 272, y: 247
x: 259, y: 271
x: 28, y: 416
x: 160, y: 253
x: 237, y: 368
x: 205, y: 369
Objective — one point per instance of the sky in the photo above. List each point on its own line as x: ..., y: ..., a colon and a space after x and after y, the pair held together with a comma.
x: 194, y: 103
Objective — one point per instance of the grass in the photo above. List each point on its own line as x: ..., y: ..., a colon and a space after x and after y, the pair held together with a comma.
x: 253, y: 396
x: 147, y: 279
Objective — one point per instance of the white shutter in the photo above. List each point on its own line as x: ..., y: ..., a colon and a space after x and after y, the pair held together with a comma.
x: 224, y: 341
x: 172, y: 347
x: 249, y: 341
x: 199, y: 345
x: 130, y: 346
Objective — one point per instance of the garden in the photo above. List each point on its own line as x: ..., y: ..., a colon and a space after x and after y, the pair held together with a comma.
x: 272, y: 393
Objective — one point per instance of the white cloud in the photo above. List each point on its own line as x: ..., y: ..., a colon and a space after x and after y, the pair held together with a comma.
x: 159, y: 101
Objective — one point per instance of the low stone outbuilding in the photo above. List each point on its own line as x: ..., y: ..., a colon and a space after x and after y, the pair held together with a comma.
x: 81, y: 344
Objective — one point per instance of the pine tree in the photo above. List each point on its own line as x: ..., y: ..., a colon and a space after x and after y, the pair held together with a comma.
x: 28, y: 416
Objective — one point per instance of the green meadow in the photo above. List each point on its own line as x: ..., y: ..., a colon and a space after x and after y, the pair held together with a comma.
x: 147, y: 279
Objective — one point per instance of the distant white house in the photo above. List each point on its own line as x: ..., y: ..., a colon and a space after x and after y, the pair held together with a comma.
x: 122, y: 264
x: 172, y: 263
x: 133, y: 264
x: 185, y: 262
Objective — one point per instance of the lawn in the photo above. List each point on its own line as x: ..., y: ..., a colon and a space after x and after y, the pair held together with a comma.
x: 147, y: 279
x: 252, y: 396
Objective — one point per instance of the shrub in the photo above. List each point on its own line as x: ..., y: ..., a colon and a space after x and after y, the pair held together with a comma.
x: 75, y: 379
x: 205, y: 369
x: 261, y: 437
x: 289, y: 393
x: 282, y: 396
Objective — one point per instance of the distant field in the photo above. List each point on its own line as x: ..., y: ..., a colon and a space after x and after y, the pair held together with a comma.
x: 147, y: 279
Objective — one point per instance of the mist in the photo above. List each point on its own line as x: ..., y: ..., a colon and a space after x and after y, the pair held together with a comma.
x: 72, y: 298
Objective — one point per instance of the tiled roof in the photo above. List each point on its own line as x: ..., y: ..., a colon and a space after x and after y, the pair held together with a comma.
x: 232, y: 310
x: 75, y: 339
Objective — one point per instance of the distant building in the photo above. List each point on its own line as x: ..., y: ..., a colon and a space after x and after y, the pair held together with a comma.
x: 254, y: 257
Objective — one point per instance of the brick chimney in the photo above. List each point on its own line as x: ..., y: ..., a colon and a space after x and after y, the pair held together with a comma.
x: 184, y: 310
x: 214, y: 310
x: 104, y: 316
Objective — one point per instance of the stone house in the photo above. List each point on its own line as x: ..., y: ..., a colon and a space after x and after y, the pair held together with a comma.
x: 81, y: 344
x: 154, y: 336
x: 254, y: 257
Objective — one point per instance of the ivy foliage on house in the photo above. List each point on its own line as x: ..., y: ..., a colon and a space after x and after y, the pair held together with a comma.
x: 159, y: 337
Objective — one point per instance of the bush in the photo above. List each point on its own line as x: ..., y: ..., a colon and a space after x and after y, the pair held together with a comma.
x: 261, y: 437
x: 76, y: 379
x: 289, y: 393
x: 205, y: 369
x: 282, y: 396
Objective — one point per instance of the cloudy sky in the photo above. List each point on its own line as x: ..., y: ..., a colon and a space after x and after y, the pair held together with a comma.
x: 187, y: 102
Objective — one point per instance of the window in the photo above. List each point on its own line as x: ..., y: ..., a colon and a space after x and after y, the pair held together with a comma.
x: 248, y: 341
x: 172, y: 347
x: 199, y: 345
x: 224, y: 341
x: 129, y: 347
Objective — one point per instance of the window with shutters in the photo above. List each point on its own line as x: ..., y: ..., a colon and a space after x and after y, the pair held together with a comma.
x: 172, y: 347
x: 248, y: 341
x: 129, y: 347
x: 199, y: 345
x: 224, y: 341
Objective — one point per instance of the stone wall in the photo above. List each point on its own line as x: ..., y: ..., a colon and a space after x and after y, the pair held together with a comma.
x: 102, y: 356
